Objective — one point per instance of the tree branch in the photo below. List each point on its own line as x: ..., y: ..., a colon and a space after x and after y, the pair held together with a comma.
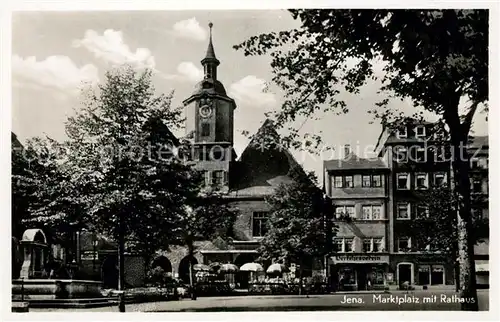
x: 469, y: 116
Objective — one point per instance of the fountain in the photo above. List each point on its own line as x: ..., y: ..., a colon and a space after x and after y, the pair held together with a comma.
x: 39, y: 284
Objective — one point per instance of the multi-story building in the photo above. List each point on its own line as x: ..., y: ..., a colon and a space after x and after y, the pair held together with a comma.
x: 416, y: 163
x: 415, y: 167
x: 359, y: 189
x: 479, y: 156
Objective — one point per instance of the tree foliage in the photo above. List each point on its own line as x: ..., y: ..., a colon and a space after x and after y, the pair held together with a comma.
x: 123, y: 160
x: 436, y: 231
x: 297, y: 225
x: 424, y: 53
x: 41, y: 190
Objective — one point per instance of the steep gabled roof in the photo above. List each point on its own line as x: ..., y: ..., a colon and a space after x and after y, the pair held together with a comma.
x: 263, y: 165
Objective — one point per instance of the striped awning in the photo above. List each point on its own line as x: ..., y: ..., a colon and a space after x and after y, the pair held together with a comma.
x: 482, y: 266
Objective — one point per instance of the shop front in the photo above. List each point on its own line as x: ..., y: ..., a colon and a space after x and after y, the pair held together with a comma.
x: 359, y: 272
x: 433, y: 274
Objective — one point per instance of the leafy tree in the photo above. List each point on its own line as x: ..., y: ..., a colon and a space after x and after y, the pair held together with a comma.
x: 123, y: 161
x: 42, y: 195
x: 435, y: 58
x: 435, y: 231
x: 298, y: 227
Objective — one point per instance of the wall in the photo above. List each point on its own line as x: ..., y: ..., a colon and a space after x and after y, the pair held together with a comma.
x: 135, y: 271
x: 243, y: 225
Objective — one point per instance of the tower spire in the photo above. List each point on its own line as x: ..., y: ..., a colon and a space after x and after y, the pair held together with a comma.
x: 210, y: 62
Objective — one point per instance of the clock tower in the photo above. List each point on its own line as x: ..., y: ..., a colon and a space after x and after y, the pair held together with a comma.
x: 210, y: 123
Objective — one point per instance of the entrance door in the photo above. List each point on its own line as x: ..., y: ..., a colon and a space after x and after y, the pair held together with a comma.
x: 361, y: 278
x: 404, y: 273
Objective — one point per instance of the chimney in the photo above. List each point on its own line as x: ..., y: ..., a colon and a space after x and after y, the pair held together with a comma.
x: 347, y: 150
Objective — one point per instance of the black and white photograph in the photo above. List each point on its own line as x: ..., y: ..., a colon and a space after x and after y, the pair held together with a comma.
x: 240, y: 160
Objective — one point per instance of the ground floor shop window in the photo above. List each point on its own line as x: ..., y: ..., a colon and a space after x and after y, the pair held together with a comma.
x: 347, y: 276
x: 437, y: 275
x: 377, y: 276
x: 431, y: 275
x: 423, y: 274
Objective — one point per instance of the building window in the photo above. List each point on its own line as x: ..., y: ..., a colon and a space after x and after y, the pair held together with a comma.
x: 347, y: 211
x: 476, y: 213
x: 376, y: 181
x: 440, y: 154
x: 377, y: 212
x: 371, y: 181
x: 404, y: 244
x: 374, y: 245
x: 422, y: 212
x: 343, y: 245
x: 477, y: 185
x: 205, y: 129
x: 402, y: 133
x: 420, y: 132
x: 403, y: 210
x: 208, y: 177
x: 348, y: 245
x: 338, y: 182
x: 349, y: 182
x: 218, y: 178
x: 367, y: 245
x: 378, y: 245
x: 439, y: 179
x: 422, y: 181
x: 259, y: 223
x: 372, y: 212
x: 367, y: 181
x: 474, y: 163
x: 401, y: 154
x: 403, y: 181
x: 338, y: 244
x: 421, y: 154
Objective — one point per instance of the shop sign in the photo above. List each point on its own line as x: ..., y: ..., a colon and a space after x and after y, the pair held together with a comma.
x: 88, y: 255
x: 360, y: 259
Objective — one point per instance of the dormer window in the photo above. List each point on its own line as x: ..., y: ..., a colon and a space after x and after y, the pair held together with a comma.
x: 402, y: 133
x: 420, y: 132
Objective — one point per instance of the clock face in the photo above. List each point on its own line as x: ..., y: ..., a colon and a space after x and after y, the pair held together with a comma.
x: 205, y: 111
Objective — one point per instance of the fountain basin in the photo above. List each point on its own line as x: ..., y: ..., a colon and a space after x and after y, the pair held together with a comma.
x: 51, y: 289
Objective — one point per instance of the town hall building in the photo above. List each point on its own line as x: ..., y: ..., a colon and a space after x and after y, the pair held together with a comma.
x: 246, y: 180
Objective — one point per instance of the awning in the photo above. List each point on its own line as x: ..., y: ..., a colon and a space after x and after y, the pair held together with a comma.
x: 482, y: 266
x: 229, y: 251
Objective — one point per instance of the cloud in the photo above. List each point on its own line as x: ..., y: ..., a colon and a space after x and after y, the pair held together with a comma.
x: 111, y: 47
x: 57, y: 72
x: 188, y: 71
x: 252, y: 90
x: 189, y: 28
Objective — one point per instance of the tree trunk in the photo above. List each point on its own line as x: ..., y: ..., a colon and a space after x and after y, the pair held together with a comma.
x: 121, y: 265
x: 467, y: 280
x: 190, y: 258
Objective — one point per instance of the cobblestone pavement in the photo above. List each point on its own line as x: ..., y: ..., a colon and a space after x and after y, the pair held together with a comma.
x: 417, y: 300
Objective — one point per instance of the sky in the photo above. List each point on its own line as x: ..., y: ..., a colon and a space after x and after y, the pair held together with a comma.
x: 53, y: 53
